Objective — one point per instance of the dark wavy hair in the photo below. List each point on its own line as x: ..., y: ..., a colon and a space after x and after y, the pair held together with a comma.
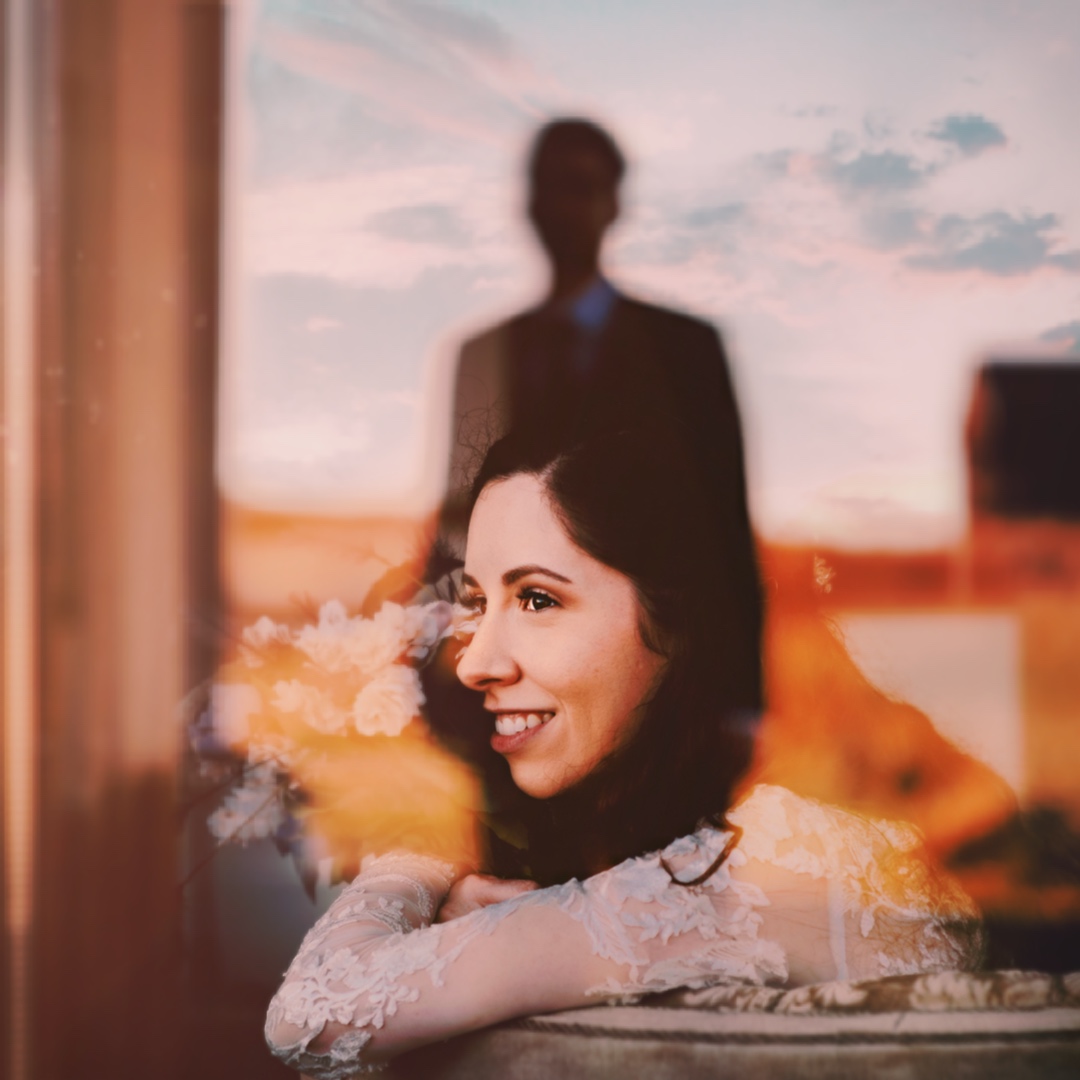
x: 636, y: 504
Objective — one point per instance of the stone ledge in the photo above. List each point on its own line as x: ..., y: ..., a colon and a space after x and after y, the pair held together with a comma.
x: 693, y: 1025
x: 628, y: 1042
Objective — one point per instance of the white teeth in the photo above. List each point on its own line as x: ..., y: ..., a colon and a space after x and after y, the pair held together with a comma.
x: 515, y: 723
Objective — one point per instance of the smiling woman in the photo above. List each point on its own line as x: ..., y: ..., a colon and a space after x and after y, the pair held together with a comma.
x: 666, y: 671
x: 605, y: 651
x: 558, y: 653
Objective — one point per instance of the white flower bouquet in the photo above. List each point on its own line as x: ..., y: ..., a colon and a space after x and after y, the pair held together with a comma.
x: 325, y: 723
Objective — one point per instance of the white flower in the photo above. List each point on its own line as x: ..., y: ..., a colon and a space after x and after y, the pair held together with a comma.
x: 255, y: 638
x: 338, y: 643
x: 250, y: 812
x: 397, y: 626
x: 316, y: 709
x: 261, y: 774
x: 466, y: 621
x: 387, y: 704
x: 230, y: 706
x: 275, y: 751
x: 426, y: 625
x: 326, y: 642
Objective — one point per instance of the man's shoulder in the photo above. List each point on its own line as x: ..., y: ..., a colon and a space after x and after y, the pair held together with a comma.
x: 495, y: 334
x: 678, y: 332
x: 670, y: 320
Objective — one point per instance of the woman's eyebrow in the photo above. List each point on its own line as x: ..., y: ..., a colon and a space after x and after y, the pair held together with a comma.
x: 512, y: 576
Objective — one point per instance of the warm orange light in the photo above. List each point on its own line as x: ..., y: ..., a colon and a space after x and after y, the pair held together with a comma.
x: 832, y: 735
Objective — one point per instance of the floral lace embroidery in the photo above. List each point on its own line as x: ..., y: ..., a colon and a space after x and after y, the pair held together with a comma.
x: 878, y: 879
x: 889, y: 913
x: 668, y: 935
x: 327, y: 980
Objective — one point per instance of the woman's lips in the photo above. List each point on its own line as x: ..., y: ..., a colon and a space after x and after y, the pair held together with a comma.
x: 513, y: 730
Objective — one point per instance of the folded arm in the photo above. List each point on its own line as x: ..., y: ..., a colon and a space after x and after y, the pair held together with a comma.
x: 812, y: 895
x: 375, y: 977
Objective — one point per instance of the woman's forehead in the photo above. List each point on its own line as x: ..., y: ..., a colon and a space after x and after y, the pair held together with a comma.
x: 513, y: 522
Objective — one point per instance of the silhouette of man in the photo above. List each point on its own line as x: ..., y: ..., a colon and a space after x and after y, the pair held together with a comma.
x: 589, y: 359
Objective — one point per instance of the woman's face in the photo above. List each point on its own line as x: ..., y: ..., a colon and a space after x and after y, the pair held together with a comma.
x: 558, y: 653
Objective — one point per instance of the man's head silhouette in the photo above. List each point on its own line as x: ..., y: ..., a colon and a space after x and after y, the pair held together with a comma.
x: 574, y: 173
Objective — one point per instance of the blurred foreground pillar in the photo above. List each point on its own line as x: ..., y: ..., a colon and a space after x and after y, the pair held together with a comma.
x: 117, y: 293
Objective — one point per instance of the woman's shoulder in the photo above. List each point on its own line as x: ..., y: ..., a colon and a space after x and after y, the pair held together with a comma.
x: 777, y: 813
x: 869, y: 862
x: 768, y: 821
x: 874, y: 860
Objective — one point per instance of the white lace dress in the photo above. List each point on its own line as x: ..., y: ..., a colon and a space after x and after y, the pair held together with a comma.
x: 811, y: 893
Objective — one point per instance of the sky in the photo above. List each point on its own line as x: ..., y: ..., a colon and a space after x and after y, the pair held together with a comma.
x: 868, y: 197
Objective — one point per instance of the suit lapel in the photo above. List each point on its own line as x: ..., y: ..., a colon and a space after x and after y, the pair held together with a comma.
x: 630, y: 385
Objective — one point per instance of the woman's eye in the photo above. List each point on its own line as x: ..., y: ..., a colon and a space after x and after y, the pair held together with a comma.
x: 536, y: 600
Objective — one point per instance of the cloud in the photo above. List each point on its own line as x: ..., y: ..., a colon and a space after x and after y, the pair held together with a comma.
x: 378, y: 345
x: 723, y: 214
x: 380, y: 227
x: 775, y: 163
x: 426, y: 67
x: 677, y: 238
x: 304, y: 441
x: 475, y: 33
x: 892, y: 227
x: 996, y: 243
x: 859, y: 164
x: 425, y: 223
x: 879, y: 171
x: 970, y: 133
x: 1067, y: 334
x: 888, y: 186
x: 878, y: 125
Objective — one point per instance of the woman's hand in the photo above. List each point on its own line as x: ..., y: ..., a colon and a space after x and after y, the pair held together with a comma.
x: 475, y: 891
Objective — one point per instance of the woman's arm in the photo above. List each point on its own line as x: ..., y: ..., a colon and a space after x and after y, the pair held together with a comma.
x: 811, y: 894
x: 374, y: 977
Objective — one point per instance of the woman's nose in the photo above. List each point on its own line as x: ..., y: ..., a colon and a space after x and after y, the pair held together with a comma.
x: 486, y: 660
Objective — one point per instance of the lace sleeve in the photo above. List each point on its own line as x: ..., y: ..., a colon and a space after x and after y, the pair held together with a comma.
x: 810, y: 894
x: 328, y: 985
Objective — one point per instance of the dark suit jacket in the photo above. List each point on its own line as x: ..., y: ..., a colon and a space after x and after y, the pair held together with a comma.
x: 651, y: 368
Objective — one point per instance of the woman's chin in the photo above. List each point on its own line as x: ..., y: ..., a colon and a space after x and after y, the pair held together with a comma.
x: 536, y: 784
x: 536, y: 765
x: 541, y: 779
